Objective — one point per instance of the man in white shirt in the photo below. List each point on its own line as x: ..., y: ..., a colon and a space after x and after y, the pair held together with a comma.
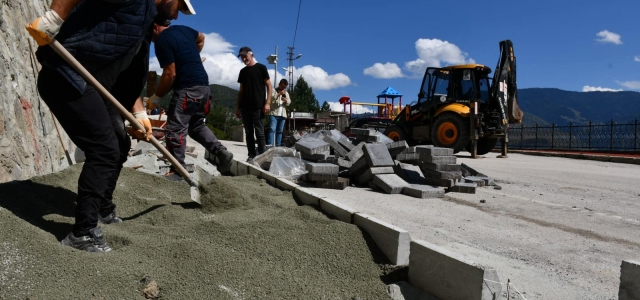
x: 279, y: 100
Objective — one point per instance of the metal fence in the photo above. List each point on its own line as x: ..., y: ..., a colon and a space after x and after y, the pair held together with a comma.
x: 609, y: 137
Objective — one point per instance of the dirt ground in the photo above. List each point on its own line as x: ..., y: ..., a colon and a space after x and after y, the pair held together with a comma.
x: 248, y: 241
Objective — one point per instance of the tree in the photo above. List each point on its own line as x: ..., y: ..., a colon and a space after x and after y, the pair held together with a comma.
x: 325, y: 106
x: 221, y: 121
x: 302, y: 98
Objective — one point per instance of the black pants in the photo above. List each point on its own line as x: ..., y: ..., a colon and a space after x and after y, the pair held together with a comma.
x: 98, y: 129
x: 187, y: 115
x: 253, y: 121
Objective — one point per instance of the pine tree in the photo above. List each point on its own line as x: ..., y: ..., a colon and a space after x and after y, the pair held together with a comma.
x: 303, y: 98
x: 325, y: 106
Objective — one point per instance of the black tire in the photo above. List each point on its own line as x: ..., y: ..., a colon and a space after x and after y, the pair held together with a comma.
x: 485, y: 145
x: 450, y: 130
x: 396, y: 133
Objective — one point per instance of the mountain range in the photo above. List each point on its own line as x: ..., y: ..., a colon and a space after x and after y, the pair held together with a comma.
x: 540, y: 105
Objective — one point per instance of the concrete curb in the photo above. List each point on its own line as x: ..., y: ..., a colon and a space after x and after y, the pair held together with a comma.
x: 629, y: 284
x: 393, y: 241
x: 337, y: 210
x: 447, y: 275
x: 604, y: 158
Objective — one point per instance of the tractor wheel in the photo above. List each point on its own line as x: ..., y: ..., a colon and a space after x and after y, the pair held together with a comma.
x: 485, y: 145
x: 396, y: 133
x: 450, y: 130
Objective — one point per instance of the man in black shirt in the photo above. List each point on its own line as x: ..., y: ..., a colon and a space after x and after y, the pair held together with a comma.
x: 253, y: 100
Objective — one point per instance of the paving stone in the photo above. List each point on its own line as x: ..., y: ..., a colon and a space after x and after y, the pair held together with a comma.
x: 312, y: 146
x: 455, y: 175
x: 369, y: 173
x: 358, y: 167
x: 410, y: 173
x: 314, y: 157
x: 382, y: 138
x: 474, y: 179
x: 164, y: 169
x: 322, y: 168
x: 440, y: 167
x: 463, y: 187
x: 377, y: 155
x: 423, y: 191
x: 346, y: 143
x: 343, y: 163
x: 413, y: 158
x: 368, y: 139
x: 322, y: 177
x: 471, y: 170
x: 356, y: 152
x: 330, y: 160
x: 434, y: 151
x: 363, y: 131
x: 136, y: 152
x: 396, y: 148
x: 335, y: 146
x: 390, y: 183
x: 340, y: 184
x: 373, y: 186
x: 439, y: 182
x: 439, y: 160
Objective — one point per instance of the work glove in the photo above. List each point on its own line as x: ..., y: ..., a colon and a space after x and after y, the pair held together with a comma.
x: 153, y: 102
x: 143, y: 119
x: 45, y: 28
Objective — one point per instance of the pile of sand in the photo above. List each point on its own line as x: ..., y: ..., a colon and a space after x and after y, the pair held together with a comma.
x: 248, y: 241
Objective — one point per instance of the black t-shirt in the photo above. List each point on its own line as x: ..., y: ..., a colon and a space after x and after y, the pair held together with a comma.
x: 254, y: 89
x: 177, y: 44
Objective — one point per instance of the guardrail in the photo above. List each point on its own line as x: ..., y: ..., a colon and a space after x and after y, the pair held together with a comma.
x: 611, y: 137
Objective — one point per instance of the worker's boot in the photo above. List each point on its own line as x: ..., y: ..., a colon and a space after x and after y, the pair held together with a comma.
x: 111, y: 218
x: 223, y: 160
x: 93, y: 242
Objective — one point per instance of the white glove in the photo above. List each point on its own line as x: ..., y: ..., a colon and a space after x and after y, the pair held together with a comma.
x: 45, y: 28
x: 143, y: 119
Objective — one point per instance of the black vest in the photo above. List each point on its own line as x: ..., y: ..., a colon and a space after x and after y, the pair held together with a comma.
x: 98, y: 33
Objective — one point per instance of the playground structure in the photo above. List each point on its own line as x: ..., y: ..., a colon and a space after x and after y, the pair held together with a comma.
x: 386, y: 110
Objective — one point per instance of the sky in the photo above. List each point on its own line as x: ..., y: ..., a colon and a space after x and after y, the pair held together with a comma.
x: 359, y: 48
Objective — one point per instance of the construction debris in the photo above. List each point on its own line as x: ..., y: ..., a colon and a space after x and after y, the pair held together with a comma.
x: 333, y: 161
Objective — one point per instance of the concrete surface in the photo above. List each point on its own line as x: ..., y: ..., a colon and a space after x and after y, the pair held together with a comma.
x: 558, y: 229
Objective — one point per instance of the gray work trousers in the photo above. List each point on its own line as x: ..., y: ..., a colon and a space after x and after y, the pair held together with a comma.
x: 187, y: 115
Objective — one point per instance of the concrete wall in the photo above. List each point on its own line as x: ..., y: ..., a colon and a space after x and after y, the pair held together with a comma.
x: 29, y: 143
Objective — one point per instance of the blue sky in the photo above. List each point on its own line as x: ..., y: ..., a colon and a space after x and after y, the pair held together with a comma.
x: 358, y: 48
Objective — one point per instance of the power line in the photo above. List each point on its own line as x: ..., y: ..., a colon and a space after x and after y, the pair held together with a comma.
x: 296, y: 31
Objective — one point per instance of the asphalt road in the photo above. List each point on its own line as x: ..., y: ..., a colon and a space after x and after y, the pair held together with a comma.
x: 558, y: 229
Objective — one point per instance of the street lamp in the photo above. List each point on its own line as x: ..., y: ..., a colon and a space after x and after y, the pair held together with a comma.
x: 273, y: 60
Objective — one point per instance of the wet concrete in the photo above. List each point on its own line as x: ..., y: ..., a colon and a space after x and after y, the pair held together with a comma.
x: 248, y: 241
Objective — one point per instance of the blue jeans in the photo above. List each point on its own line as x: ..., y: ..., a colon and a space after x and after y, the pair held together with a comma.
x: 276, y: 125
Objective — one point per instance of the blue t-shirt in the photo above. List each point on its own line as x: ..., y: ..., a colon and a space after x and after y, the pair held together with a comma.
x: 177, y: 44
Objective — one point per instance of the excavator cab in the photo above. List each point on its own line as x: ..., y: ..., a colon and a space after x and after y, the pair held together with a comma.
x: 460, y: 107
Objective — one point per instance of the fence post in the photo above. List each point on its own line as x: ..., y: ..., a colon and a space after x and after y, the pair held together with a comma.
x: 635, y: 136
x: 536, y: 144
x: 570, y: 133
x: 611, y: 137
x: 522, y: 134
x: 589, y: 146
x: 553, y: 132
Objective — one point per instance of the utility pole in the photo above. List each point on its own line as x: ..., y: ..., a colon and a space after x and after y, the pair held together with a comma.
x: 290, y: 70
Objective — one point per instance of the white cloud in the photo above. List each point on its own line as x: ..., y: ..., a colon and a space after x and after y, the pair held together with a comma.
x: 319, y: 79
x: 385, y: 71
x: 223, y: 66
x: 587, y: 88
x: 356, y: 109
x: 607, y: 36
x: 632, y: 85
x: 434, y: 53
x: 636, y: 59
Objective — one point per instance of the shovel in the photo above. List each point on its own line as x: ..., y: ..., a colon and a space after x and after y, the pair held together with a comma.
x: 203, y: 176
